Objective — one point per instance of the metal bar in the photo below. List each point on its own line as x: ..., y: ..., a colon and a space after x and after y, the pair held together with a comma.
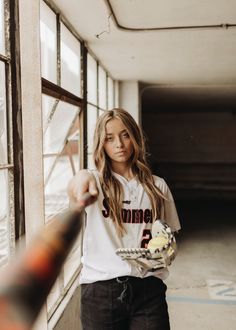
x: 4, y: 59
x: 94, y: 105
x: 58, y: 50
x: 60, y: 93
x: 50, y: 155
x: 183, y: 27
x: 51, y: 113
x: 6, y: 166
x: 17, y: 120
x: 83, y: 115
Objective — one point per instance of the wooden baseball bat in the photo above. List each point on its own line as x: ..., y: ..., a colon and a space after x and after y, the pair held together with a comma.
x: 26, y: 282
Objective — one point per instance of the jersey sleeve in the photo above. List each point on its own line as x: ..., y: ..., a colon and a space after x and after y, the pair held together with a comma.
x: 169, y: 212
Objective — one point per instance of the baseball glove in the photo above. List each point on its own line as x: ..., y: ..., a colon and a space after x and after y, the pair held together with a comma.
x: 160, y: 251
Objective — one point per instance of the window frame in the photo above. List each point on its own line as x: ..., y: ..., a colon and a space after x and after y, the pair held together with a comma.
x: 15, y: 165
x: 61, y: 94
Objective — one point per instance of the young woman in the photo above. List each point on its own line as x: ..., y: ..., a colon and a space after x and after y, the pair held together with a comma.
x: 116, y: 294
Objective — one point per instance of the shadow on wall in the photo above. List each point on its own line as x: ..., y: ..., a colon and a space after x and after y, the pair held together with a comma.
x: 191, y: 134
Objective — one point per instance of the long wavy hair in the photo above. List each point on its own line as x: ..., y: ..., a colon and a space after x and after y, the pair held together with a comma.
x: 111, y: 187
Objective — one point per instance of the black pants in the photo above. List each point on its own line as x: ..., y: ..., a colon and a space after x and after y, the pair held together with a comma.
x: 125, y: 303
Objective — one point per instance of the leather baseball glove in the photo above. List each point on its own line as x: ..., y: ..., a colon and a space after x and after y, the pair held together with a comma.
x: 160, y: 252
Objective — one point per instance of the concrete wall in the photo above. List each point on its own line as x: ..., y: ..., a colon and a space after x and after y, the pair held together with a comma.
x: 191, y: 134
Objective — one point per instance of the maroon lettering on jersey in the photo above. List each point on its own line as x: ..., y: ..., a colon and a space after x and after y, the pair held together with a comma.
x: 147, y: 216
x: 130, y: 215
x: 137, y: 216
x: 105, y: 212
x: 126, y: 215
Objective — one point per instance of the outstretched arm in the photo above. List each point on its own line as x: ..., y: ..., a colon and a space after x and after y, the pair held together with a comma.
x: 83, y: 182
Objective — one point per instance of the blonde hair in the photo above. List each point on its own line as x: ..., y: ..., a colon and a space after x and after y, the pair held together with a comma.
x: 111, y: 186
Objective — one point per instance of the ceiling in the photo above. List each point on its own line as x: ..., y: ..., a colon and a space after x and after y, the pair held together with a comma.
x: 163, y: 42
x: 183, y: 54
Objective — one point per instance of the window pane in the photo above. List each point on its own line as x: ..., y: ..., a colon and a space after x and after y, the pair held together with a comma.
x: 100, y: 112
x: 56, y: 198
x: 91, y: 119
x: 110, y: 93
x: 4, y: 237
x: 72, y: 146
x: 3, y: 126
x: 49, y: 105
x: 2, y: 32
x: 48, y: 163
x: 92, y: 80
x: 58, y: 128
x: 102, y: 88
x: 48, y: 35
x: 61, y: 156
x: 91, y: 162
x: 70, y: 62
x: 116, y: 94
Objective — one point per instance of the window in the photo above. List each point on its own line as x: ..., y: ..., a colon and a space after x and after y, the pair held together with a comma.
x: 92, y: 80
x: 61, y: 161
x: 110, y: 91
x: 91, y: 119
x: 60, y: 149
x: 61, y: 110
x: 101, y: 97
x: 4, y: 171
x: 48, y: 35
x: 7, y: 226
x: 70, y: 62
x: 102, y: 91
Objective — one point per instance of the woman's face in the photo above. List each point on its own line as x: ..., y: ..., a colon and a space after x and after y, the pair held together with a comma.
x: 118, y: 145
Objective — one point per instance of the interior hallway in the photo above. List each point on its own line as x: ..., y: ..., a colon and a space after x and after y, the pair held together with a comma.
x: 202, y: 282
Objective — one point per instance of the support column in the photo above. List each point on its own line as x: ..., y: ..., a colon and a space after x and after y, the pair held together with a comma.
x: 129, y: 98
x: 29, y: 17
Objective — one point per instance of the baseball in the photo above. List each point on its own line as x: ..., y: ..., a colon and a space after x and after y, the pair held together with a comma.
x: 157, y: 242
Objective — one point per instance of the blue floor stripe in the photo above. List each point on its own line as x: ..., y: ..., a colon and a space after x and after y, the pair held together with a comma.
x: 200, y: 301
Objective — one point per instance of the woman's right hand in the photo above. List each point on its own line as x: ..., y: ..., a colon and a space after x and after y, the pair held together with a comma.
x: 83, y: 182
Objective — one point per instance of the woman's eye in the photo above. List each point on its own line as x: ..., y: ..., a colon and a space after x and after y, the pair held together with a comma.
x: 125, y: 135
x: 109, y: 138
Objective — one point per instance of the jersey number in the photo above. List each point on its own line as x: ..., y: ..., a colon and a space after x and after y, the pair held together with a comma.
x: 146, y: 238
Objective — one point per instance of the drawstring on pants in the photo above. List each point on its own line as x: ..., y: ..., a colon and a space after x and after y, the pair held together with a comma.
x: 126, y: 294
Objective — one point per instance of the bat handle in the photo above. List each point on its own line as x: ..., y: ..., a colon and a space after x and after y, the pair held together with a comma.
x: 29, y: 279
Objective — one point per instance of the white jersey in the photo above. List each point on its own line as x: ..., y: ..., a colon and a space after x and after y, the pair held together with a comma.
x: 101, y: 239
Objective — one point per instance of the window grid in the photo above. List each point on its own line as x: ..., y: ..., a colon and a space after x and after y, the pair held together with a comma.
x: 60, y: 94
x: 66, y: 99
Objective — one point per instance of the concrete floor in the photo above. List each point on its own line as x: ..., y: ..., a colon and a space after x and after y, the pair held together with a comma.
x: 202, y: 283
